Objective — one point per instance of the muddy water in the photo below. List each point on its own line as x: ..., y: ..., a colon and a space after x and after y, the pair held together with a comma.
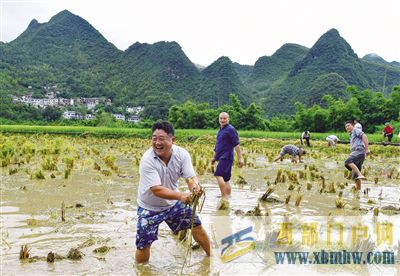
x: 101, y: 210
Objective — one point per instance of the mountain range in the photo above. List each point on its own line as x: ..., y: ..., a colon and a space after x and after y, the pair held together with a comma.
x: 69, y: 52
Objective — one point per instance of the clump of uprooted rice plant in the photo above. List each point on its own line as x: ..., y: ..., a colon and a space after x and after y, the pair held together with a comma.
x: 49, y: 164
x: 391, y: 172
x: 287, y: 199
x: 5, y: 161
x: 197, y: 204
x: 74, y: 254
x: 95, y: 151
x: 245, y: 159
x: 269, y: 191
x: 280, y: 177
x: 39, y: 175
x: 347, y: 174
x: 106, y: 172
x: 201, y: 166
x: 302, y: 175
x: 69, y: 162
x: 331, y: 188
x: 12, y: 171
x: 223, y: 204
x: 340, y: 203
x: 341, y: 186
x: 24, y: 252
x: 370, y: 201
x: 322, y: 179
x: 241, y: 181
x: 292, y: 177
x: 96, y: 166
x: 67, y: 173
x: 109, y: 160
x: 298, y: 199
x: 255, y: 212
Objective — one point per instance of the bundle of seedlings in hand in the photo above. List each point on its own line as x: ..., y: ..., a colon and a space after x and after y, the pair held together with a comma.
x: 194, y: 201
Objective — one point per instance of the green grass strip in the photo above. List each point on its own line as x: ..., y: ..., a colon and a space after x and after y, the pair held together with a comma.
x: 185, y: 134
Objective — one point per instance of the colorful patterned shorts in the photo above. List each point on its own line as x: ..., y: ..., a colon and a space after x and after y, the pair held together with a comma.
x: 177, y: 217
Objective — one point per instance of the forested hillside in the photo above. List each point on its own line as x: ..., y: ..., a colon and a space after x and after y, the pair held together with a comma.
x: 70, y: 53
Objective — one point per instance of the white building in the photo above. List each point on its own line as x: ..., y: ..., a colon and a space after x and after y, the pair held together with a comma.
x: 89, y: 102
x: 89, y: 117
x: 133, y: 119
x: 72, y: 115
x: 69, y: 114
x: 135, y: 110
x: 119, y: 117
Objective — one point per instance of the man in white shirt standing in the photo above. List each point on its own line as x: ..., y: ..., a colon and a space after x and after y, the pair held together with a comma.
x: 158, y: 197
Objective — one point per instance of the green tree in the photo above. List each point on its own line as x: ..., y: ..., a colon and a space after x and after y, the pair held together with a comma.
x: 51, y: 113
x: 104, y: 119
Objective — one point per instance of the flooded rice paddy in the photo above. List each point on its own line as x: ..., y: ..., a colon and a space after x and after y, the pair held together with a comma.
x: 60, y: 193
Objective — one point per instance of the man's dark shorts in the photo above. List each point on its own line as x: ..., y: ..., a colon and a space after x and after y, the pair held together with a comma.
x: 177, y: 217
x: 224, y: 169
x: 389, y: 136
x: 356, y: 157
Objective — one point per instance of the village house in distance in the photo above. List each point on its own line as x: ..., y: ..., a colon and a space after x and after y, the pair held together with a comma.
x: 51, y: 99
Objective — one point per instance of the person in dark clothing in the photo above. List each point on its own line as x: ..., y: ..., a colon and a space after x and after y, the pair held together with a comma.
x: 388, y: 132
x: 305, y: 136
x: 227, y: 142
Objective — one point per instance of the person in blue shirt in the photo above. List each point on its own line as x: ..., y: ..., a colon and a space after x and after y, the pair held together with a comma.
x: 227, y: 142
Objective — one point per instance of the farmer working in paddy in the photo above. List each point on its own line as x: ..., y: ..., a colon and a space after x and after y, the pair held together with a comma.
x: 158, y: 197
x: 358, y: 148
x: 291, y: 150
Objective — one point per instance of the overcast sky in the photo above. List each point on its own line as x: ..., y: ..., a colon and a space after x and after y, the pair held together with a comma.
x: 243, y: 30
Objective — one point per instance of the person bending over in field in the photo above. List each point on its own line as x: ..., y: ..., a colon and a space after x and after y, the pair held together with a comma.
x: 293, y: 151
x: 332, y: 140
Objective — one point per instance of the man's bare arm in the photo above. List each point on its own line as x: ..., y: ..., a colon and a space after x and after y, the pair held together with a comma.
x: 239, y: 154
x: 166, y: 193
